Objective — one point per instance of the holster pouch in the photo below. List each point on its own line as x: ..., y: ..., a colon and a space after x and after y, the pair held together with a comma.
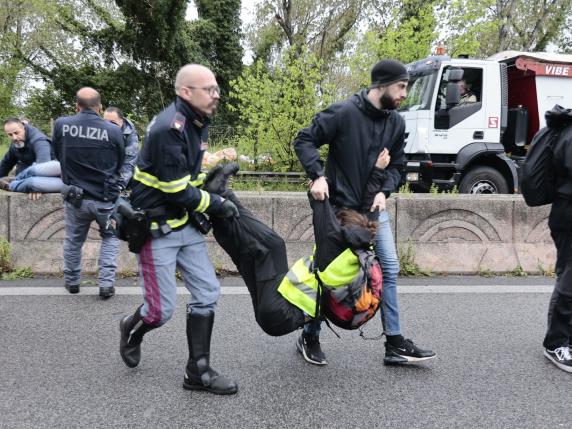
x: 158, y: 216
x: 201, y: 222
x: 72, y: 194
x: 132, y: 225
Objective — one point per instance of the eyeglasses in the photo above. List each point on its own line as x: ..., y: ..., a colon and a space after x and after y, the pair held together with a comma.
x: 212, y: 90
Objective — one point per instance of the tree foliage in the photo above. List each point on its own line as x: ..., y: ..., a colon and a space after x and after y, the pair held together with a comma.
x: 130, y: 51
x: 483, y: 27
x: 321, y: 25
x: 402, y: 30
x: 274, y: 104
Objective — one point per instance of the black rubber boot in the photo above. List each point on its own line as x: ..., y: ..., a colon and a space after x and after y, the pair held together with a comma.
x: 217, y: 179
x: 198, y: 374
x: 132, y: 329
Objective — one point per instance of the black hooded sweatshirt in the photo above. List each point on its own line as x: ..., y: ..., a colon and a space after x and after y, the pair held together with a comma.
x: 561, y: 211
x: 356, y: 132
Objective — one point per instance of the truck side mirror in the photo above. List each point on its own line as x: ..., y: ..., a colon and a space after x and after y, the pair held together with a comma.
x: 453, y: 94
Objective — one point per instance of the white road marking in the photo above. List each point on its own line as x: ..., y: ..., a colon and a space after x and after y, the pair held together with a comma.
x: 241, y: 290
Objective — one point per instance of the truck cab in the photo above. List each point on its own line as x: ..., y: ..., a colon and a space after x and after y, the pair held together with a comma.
x: 468, y: 122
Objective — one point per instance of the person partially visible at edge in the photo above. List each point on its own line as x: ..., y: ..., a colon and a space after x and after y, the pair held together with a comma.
x: 357, y: 131
x: 165, y: 185
x: 131, y: 139
x: 558, y: 338
x: 91, y: 153
x: 30, y: 152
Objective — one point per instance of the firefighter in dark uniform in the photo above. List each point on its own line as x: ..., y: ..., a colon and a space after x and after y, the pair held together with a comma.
x: 165, y: 186
x: 91, y: 153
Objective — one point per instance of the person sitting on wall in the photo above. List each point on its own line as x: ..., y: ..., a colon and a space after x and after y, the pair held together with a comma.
x: 30, y: 153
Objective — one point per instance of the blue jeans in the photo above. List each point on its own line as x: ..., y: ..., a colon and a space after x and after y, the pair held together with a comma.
x: 387, y: 254
x: 44, y: 178
x: 158, y: 260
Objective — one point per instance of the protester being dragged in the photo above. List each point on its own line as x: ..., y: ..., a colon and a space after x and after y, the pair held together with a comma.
x: 30, y: 153
x: 284, y: 298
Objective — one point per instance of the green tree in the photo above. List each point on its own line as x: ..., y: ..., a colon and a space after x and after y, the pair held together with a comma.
x: 483, y: 27
x: 402, y: 30
x: 274, y: 104
x: 25, y: 26
x: 131, y: 50
x: 321, y: 25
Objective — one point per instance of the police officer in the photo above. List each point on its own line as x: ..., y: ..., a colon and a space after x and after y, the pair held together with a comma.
x: 91, y: 153
x: 165, y: 186
x: 131, y: 139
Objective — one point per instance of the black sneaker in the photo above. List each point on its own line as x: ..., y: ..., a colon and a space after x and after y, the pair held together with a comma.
x: 560, y: 357
x: 309, y: 347
x: 72, y: 288
x: 106, y: 292
x: 405, y: 352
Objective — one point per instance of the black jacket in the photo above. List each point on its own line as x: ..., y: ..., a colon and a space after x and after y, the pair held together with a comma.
x: 356, y: 132
x: 91, y: 152
x: 37, y: 149
x: 170, y: 161
x: 561, y: 211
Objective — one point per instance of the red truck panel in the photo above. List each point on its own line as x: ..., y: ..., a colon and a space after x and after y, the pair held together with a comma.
x: 522, y: 92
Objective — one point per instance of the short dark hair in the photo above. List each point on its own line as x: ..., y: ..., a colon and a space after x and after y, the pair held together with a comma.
x: 89, y: 103
x: 116, y: 110
x: 13, y: 120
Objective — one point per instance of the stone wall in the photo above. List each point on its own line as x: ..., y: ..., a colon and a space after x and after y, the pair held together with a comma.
x: 447, y: 233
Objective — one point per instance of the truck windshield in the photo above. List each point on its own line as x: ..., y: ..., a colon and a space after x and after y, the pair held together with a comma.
x: 419, y: 92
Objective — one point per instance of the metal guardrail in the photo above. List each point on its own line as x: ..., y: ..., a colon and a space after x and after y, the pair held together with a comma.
x: 271, y: 176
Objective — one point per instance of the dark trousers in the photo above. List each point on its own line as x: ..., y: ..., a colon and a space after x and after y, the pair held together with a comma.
x: 559, y: 332
x: 260, y: 257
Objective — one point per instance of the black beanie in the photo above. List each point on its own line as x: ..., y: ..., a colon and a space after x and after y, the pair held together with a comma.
x: 387, y: 72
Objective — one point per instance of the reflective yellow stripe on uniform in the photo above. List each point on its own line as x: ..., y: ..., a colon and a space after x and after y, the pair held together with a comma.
x: 199, y: 180
x: 173, y: 223
x: 300, y: 286
x: 168, y: 187
x: 204, y: 202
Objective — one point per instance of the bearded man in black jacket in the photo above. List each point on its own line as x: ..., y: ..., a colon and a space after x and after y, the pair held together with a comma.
x: 357, y: 131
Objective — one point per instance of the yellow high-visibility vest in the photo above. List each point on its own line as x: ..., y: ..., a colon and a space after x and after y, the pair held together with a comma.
x: 300, y: 285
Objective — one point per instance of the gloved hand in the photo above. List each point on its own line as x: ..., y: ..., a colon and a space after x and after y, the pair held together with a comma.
x: 226, y: 209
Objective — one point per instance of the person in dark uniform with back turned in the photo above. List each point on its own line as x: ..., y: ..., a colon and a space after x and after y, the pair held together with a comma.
x: 165, y: 186
x: 91, y: 153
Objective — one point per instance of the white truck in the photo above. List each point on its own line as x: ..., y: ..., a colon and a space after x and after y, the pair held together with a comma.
x: 477, y: 140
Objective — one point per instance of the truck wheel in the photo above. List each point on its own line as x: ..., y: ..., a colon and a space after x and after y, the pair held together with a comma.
x: 483, y: 180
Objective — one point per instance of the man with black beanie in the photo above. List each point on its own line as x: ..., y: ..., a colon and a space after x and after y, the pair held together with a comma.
x: 360, y: 130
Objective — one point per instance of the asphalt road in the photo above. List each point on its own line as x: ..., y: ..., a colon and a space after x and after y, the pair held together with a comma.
x: 60, y: 366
